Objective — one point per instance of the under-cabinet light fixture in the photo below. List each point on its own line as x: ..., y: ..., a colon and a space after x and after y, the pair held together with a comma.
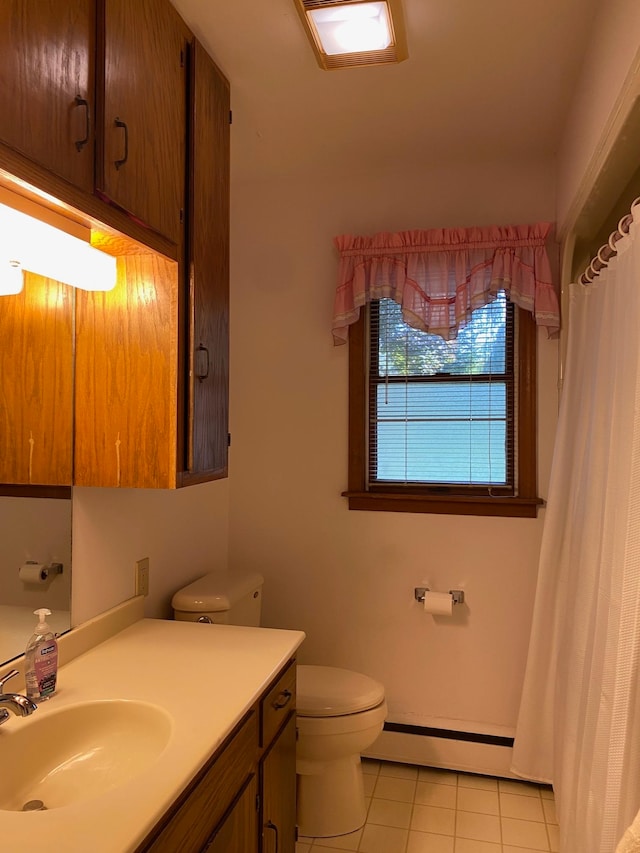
x: 31, y: 244
x: 352, y: 33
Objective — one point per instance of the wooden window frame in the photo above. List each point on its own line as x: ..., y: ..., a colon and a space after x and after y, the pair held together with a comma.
x: 412, y: 498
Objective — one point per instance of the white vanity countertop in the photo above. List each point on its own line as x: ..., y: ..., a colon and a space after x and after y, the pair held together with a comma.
x: 204, y: 676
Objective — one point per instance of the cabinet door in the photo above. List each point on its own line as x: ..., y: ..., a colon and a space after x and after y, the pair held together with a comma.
x: 141, y: 151
x: 47, y: 84
x: 238, y: 833
x: 279, y: 793
x: 208, y: 266
x: 36, y: 365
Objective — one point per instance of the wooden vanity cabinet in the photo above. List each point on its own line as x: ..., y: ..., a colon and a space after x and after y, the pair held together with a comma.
x: 248, y: 783
x: 47, y: 59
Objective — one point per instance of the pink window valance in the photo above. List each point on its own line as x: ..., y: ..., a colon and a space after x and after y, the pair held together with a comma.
x: 441, y: 276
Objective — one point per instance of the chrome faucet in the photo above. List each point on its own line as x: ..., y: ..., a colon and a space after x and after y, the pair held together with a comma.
x: 14, y: 702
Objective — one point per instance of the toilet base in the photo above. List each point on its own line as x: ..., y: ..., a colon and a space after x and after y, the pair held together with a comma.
x: 330, y: 797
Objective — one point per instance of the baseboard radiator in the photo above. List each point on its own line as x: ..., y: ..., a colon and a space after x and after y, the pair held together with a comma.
x: 469, y: 752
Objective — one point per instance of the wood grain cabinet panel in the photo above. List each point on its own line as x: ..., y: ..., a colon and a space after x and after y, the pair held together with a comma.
x: 208, y: 268
x: 126, y: 378
x: 47, y: 58
x: 241, y: 785
x: 36, y: 390
x: 279, y: 792
x: 142, y: 96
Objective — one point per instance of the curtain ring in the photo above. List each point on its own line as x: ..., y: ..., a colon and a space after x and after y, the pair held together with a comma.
x: 626, y: 220
x: 604, y: 262
x: 613, y: 239
x: 585, y: 275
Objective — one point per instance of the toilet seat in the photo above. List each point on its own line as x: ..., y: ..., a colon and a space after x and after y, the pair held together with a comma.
x: 326, y: 691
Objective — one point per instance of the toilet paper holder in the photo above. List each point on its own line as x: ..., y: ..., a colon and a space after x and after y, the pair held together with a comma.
x: 456, y: 594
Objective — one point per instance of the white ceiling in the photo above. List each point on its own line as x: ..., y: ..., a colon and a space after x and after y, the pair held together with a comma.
x: 483, y: 79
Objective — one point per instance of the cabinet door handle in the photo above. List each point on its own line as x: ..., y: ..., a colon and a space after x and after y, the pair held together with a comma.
x: 271, y: 825
x: 123, y: 125
x: 280, y: 703
x: 83, y: 102
x: 202, y: 362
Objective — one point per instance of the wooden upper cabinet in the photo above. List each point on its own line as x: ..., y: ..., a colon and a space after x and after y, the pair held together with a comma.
x: 141, y: 92
x: 47, y: 84
x: 208, y: 268
x: 36, y: 391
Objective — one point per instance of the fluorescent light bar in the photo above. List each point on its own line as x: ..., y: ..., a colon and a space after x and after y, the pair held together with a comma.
x: 28, y: 243
x: 352, y: 29
x: 11, y: 280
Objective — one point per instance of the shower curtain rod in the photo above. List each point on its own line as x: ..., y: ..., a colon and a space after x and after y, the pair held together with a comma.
x: 608, y: 251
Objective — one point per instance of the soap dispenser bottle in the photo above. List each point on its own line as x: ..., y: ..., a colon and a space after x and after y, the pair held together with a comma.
x: 41, y: 660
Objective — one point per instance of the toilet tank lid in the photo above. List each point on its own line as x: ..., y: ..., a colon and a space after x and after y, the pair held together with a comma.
x: 216, y: 591
x: 326, y: 691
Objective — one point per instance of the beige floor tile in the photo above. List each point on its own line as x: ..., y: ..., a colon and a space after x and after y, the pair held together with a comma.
x: 434, y: 774
x: 370, y: 766
x: 398, y: 771
x: 427, y: 842
x: 339, y: 842
x: 302, y: 848
x: 479, y: 827
x: 483, y: 783
x: 554, y: 837
x: 433, y: 819
x: 369, y: 784
x: 475, y: 800
x: 524, y: 833
x: 523, y: 808
x: 383, y: 839
x: 390, y: 788
x: 507, y: 848
x: 546, y: 793
x: 467, y: 845
x: 549, y: 809
x: 433, y: 794
x: 389, y: 813
x: 512, y: 786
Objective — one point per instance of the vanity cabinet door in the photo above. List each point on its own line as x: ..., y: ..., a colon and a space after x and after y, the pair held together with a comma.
x: 239, y: 829
x: 36, y: 391
x: 208, y: 270
x: 206, y: 813
x: 278, y: 820
x: 47, y: 57
x: 142, y: 94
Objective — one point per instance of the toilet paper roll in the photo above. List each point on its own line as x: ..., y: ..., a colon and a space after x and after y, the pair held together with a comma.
x: 33, y: 573
x: 438, y: 603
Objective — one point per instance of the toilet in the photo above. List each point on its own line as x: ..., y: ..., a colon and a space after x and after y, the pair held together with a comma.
x: 340, y: 713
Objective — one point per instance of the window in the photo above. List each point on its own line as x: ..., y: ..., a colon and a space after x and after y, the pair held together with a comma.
x: 440, y: 426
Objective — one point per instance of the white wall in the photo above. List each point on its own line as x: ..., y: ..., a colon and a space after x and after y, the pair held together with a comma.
x: 183, y: 532
x: 347, y: 578
x: 606, y: 87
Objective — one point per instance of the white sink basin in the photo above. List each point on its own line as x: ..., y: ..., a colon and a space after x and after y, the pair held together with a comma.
x: 79, y: 751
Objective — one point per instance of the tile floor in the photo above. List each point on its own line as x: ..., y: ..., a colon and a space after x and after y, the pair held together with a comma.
x: 420, y: 810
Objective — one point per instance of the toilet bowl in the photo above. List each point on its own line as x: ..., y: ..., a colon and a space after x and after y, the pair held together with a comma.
x: 339, y: 714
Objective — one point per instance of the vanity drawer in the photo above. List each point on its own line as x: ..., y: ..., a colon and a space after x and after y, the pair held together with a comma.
x: 203, y: 804
x: 277, y: 704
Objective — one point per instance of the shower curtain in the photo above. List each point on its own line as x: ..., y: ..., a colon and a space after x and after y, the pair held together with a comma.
x: 579, y: 721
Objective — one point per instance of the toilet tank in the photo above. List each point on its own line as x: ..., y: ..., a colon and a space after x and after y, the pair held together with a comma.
x: 224, y: 598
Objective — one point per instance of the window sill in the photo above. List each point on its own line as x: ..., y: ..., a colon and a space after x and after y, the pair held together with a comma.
x: 450, y: 505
